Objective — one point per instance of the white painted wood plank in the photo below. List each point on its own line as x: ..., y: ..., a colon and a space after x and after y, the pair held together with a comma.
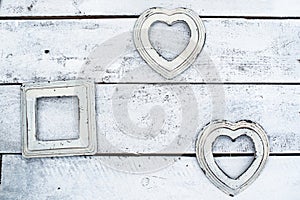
x: 164, y: 118
x: 132, y: 178
x: 278, y: 8
x: 10, y: 119
x: 168, y: 118
x: 102, y: 49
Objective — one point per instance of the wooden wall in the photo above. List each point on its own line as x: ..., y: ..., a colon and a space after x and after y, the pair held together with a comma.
x: 146, y: 125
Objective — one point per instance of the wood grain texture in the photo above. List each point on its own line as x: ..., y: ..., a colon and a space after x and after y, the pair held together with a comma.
x: 148, y: 118
x: 165, y: 118
x: 103, y: 50
x: 278, y: 8
x: 93, y: 178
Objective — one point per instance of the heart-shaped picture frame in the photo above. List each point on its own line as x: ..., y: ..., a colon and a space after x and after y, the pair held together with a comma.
x: 169, y: 68
x: 207, y: 163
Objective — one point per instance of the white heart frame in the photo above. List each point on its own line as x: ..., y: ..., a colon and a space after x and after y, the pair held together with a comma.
x: 169, y: 69
x: 233, y: 130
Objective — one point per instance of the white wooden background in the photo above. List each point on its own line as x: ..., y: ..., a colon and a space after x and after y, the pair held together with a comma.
x: 248, y: 69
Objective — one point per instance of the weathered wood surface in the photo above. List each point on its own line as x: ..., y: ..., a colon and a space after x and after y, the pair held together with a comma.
x: 151, y: 118
x: 131, y: 178
x: 278, y: 8
x: 236, y: 50
x: 163, y: 118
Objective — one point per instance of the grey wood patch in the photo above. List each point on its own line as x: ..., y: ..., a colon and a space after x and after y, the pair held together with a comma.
x: 166, y: 118
x: 103, y: 50
x: 288, y: 8
x: 91, y: 178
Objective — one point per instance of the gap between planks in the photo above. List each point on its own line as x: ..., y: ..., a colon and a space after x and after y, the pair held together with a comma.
x: 175, y: 83
x: 0, y: 169
x: 240, y: 154
x: 135, y: 16
x: 203, y: 83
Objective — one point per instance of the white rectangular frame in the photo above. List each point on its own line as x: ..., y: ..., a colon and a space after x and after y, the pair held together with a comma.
x: 85, y: 144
